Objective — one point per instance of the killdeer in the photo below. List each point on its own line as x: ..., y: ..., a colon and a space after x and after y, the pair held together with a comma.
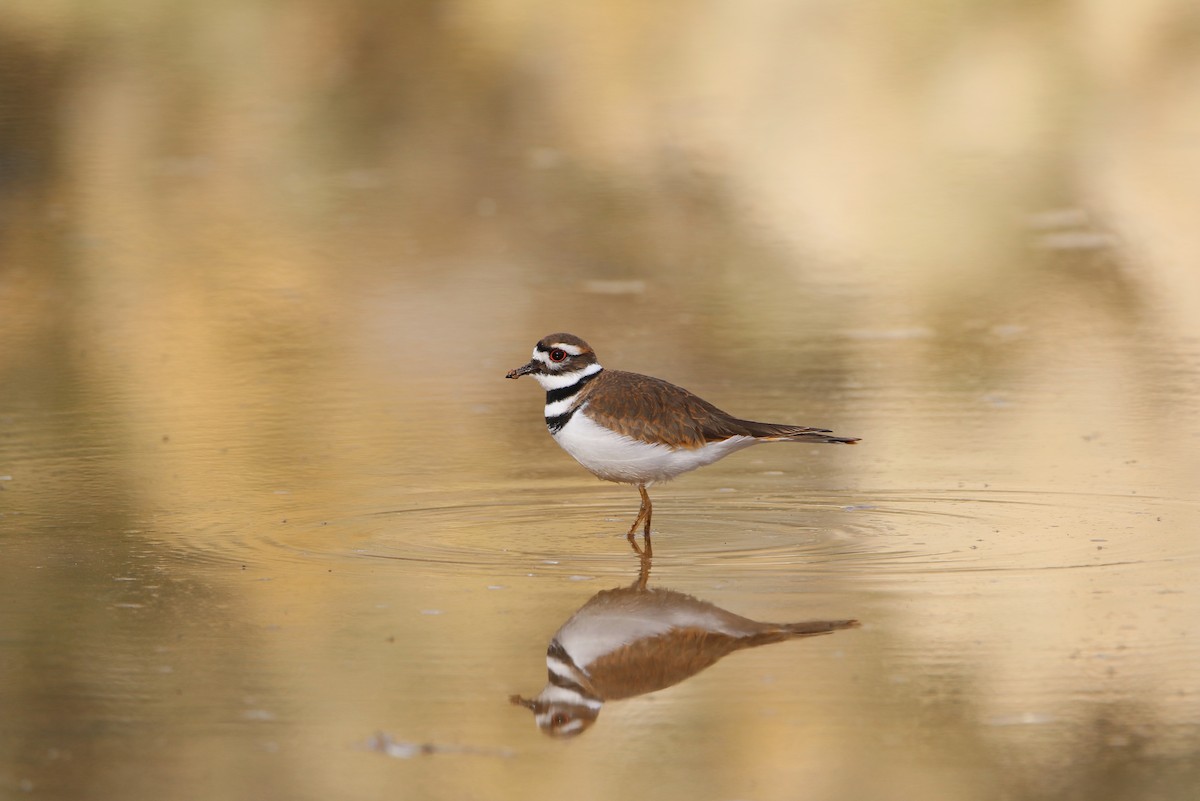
x: 629, y: 641
x: 635, y: 429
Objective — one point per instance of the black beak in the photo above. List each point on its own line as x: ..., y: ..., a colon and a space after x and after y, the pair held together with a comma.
x: 531, y: 704
x: 524, y: 369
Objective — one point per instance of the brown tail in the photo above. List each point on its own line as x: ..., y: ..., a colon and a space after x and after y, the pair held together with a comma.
x: 811, y: 628
x: 784, y: 433
x: 778, y: 632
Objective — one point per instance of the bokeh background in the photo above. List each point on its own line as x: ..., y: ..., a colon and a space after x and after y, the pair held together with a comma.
x: 273, y: 525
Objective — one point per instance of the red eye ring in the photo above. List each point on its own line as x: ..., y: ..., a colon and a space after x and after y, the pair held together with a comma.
x: 558, y: 355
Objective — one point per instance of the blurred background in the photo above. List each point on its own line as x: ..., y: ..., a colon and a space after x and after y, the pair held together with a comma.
x: 274, y: 526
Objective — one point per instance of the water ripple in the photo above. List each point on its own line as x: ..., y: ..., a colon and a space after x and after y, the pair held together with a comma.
x: 877, y: 534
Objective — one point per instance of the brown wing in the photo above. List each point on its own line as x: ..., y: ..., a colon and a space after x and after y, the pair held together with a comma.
x: 652, y: 410
x: 655, y: 663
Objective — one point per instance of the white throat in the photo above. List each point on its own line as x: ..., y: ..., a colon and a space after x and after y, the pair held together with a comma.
x: 560, y: 380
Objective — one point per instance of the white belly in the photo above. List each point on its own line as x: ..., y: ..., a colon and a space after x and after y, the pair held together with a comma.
x: 614, y: 457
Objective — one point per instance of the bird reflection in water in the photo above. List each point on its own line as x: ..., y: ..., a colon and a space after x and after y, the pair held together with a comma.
x: 629, y: 641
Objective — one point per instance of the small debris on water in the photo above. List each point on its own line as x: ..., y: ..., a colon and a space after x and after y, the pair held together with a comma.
x: 386, y: 744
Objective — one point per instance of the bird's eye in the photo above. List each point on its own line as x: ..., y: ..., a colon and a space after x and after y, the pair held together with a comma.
x: 557, y: 355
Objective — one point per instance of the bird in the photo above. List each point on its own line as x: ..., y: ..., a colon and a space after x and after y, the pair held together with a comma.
x: 629, y: 641
x: 636, y: 429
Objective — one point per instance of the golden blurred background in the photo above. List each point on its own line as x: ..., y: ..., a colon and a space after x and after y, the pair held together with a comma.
x: 264, y: 491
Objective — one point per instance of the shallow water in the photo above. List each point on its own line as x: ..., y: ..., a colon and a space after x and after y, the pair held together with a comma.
x: 275, y: 526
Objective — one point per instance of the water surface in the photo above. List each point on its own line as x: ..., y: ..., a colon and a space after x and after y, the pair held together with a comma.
x: 275, y: 526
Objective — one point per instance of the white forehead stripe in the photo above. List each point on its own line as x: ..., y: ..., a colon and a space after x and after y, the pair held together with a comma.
x: 542, y: 355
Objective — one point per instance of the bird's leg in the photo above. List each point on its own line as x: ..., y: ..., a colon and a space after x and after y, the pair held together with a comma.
x: 643, y: 572
x: 649, y: 509
x: 643, y: 514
